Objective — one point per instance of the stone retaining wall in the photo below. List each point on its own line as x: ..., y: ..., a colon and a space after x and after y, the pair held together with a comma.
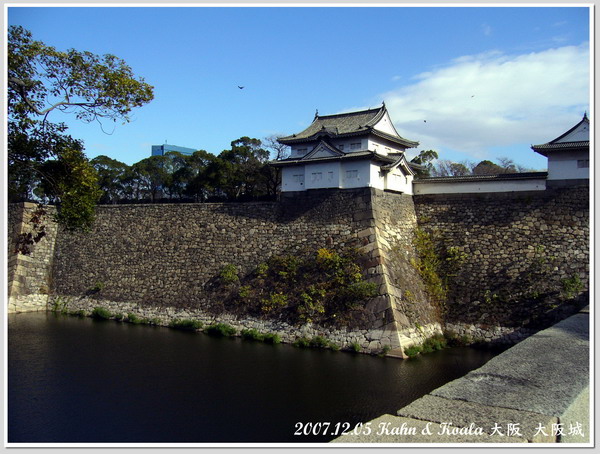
x: 522, y: 251
x: 170, y: 255
x: 520, y: 248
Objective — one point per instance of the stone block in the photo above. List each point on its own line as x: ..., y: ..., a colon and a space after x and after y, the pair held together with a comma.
x: 537, y: 384
x: 378, y: 305
x: 401, y: 319
x: 368, y: 248
x: 362, y: 215
x: 463, y: 414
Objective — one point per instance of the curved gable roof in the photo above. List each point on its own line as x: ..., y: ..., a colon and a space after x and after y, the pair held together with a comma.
x: 565, y: 141
x: 345, y: 125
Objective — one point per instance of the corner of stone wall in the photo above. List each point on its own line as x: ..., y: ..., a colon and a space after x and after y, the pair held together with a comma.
x: 392, y: 222
x: 29, y: 276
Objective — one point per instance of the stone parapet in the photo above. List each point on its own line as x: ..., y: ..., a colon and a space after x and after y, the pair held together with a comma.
x: 523, y: 395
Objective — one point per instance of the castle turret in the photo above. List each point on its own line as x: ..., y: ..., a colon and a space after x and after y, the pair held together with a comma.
x: 348, y: 150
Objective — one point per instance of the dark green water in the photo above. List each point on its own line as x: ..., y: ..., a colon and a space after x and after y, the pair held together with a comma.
x: 82, y: 380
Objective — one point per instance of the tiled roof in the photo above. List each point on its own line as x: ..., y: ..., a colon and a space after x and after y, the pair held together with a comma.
x: 556, y: 144
x: 500, y: 176
x: 565, y: 146
x: 346, y: 125
x: 583, y: 143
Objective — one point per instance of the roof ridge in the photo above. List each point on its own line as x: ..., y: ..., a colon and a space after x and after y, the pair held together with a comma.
x: 355, y: 112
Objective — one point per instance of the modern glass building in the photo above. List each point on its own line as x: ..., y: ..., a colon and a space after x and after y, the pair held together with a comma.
x: 160, y: 150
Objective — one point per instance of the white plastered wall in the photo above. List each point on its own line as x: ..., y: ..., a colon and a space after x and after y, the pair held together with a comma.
x: 563, y: 166
x: 292, y: 179
x: 466, y: 187
x: 355, y: 174
x: 396, y: 180
x: 322, y: 175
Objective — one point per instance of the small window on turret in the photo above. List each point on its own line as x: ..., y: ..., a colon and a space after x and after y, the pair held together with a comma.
x: 583, y: 163
x: 355, y: 146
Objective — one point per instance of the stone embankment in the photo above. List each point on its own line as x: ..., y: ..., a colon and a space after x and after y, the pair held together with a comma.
x: 372, y: 341
x: 524, y: 265
x: 535, y: 392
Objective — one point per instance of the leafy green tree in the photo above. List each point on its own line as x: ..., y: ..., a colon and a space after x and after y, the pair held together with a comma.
x: 198, y: 175
x: 111, y: 178
x: 177, y: 166
x: 425, y: 160
x: 71, y: 181
x: 487, y: 167
x: 152, y: 176
x: 43, y: 81
x: 239, y: 170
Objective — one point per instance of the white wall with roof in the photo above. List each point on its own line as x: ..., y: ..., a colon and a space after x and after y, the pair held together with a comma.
x: 568, y: 165
x: 470, y: 187
x: 396, y: 180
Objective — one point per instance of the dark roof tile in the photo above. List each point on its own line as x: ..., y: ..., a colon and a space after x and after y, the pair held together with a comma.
x: 500, y: 176
x: 346, y: 125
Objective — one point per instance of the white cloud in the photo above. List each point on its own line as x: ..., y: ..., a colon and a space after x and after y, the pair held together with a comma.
x: 493, y: 100
x: 486, y: 29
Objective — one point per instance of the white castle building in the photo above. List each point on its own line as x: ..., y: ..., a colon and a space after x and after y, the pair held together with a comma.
x: 363, y: 149
x: 569, y: 154
x: 349, y: 150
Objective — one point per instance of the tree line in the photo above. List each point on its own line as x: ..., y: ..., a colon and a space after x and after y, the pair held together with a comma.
x: 431, y: 166
x: 47, y: 165
x: 240, y: 173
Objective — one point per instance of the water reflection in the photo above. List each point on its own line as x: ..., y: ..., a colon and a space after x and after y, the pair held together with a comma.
x: 82, y: 380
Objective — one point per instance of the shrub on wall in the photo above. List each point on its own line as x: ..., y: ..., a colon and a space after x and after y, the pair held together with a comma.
x: 101, y: 313
x: 229, y: 274
x: 436, y: 264
x: 325, y: 287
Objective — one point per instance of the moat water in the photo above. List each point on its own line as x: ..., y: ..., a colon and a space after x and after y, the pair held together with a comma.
x: 87, y: 381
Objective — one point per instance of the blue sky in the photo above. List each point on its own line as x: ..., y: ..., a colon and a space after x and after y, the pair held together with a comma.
x: 472, y: 83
